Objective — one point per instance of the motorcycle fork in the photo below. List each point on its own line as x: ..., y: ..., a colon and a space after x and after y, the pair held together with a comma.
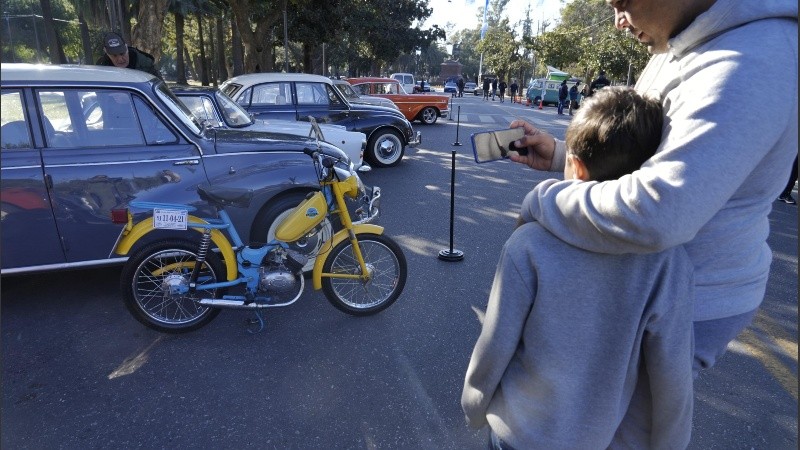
x: 347, y: 223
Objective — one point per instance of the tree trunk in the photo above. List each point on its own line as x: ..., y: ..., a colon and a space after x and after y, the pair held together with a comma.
x: 180, y: 64
x: 149, y: 28
x: 258, y: 50
x: 212, y: 53
x: 86, y: 40
x: 222, y: 63
x: 237, y: 52
x: 190, y: 63
x: 55, y: 51
x: 203, y: 66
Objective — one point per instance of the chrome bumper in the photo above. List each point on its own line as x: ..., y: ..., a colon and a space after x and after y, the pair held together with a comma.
x: 416, y: 140
x: 370, y: 207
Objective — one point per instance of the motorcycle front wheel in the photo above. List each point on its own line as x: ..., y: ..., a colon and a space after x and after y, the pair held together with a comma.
x: 149, y: 282
x: 388, y: 271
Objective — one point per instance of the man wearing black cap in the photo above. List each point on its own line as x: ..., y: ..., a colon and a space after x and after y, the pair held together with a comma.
x: 119, y: 54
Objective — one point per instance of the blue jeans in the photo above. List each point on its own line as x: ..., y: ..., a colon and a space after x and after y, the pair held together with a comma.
x: 561, y: 106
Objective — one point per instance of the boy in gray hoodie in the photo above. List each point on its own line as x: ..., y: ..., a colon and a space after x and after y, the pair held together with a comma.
x: 569, y: 335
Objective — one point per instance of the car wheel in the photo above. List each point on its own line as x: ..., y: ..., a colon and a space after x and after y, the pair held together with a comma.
x: 428, y: 115
x: 385, y: 148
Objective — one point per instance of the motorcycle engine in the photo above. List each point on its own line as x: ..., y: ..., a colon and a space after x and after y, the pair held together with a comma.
x: 280, y: 278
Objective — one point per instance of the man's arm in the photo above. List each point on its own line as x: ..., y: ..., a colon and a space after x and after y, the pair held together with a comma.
x: 708, y: 152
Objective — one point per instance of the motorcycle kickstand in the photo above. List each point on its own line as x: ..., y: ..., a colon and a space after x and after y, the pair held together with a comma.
x: 258, y: 320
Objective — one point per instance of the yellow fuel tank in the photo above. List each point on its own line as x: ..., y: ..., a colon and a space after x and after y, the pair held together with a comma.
x: 303, y: 218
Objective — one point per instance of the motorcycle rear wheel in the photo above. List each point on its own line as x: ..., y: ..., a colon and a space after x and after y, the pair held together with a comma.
x: 385, y: 261
x: 150, y: 272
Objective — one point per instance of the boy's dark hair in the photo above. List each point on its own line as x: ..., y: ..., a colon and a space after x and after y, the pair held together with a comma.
x: 615, y: 132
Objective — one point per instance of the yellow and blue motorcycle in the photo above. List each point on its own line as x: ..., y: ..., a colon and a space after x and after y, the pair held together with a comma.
x: 179, y: 285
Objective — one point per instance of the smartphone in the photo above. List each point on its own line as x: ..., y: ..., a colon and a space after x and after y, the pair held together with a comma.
x: 495, y: 145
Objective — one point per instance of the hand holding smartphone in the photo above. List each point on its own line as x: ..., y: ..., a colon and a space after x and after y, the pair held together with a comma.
x: 495, y: 145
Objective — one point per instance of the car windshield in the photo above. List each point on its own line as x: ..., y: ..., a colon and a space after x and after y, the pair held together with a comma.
x: 347, y: 91
x: 233, y: 114
x: 178, y: 108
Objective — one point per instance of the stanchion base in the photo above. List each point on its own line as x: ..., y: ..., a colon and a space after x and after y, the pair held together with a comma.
x: 456, y: 144
x: 451, y: 256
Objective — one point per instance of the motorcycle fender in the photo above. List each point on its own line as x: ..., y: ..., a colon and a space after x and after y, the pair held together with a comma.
x: 142, y: 228
x: 341, y: 235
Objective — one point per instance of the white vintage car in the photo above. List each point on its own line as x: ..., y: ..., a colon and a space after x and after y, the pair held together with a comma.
x: 219, y: 111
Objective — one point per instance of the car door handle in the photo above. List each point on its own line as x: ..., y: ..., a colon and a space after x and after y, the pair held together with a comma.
x: 187, y: 162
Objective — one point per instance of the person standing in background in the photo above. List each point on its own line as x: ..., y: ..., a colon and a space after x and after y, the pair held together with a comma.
x: 513, y: 88
x: 563, y: 95
x: 573, y: 97
x: 599, y: 83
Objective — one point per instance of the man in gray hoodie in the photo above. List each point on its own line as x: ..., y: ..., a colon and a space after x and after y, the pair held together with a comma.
x: 711, y: 184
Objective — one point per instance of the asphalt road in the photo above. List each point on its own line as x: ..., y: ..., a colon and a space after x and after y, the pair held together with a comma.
x: 79, y: 372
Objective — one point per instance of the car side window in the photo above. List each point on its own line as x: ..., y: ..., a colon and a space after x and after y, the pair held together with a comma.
x: 155, y: 130
x: 244, y: 99
x: 312, y: 94
x: 333, y: 98
x: 195, y: 104
x: 271, y: 94
x: 14, y: 130
x: 362, y: 89
x: 58, y: 126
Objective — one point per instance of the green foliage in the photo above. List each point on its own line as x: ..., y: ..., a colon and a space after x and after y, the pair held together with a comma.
x: 500, y: 49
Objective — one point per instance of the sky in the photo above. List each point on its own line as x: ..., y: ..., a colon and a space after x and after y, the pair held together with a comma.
x: 464, y: 13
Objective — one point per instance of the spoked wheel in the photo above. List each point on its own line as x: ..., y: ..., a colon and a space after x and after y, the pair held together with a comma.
x: 387, y: 268
x: 150, y: 280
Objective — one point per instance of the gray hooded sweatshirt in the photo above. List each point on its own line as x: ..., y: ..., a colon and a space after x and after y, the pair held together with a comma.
x: 564, y: 348
x: 729, y: 142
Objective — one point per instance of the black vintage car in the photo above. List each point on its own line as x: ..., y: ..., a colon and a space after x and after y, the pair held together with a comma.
x: 77, y: 142
x: 296, y: 96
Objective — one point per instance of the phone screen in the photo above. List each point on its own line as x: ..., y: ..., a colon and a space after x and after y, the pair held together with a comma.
x: 495, y: 145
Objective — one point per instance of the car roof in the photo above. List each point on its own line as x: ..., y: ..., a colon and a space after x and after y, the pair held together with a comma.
x: 372, y: 80
x: 189, y: 89
x: 69, y: 72
x: 277, y: 76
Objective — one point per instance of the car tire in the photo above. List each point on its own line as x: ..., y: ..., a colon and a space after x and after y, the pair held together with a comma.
x: 428, y: 115
x: 385, y: 148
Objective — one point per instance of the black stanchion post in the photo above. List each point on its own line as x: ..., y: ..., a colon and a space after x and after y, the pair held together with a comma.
x: 450, y: 116
x: 458, y: 123
x: 451, y: 254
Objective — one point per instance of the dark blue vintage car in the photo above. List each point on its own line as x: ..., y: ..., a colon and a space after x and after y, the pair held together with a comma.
x: 296, y: 96
x: 78, y: 142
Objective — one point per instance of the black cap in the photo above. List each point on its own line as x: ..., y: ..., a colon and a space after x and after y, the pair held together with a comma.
x: 114, y: 44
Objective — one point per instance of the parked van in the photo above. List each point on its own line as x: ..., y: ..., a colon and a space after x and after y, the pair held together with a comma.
x: 407, y: 81
x: 547, y: 88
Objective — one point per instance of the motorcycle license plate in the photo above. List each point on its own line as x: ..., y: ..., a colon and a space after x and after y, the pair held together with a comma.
x: 170, y: 219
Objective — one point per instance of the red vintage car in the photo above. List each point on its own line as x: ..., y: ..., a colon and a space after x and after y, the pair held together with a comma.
x: 426, y: 108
